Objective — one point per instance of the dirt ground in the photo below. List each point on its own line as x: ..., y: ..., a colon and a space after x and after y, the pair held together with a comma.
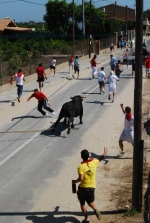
x: 122, y: 196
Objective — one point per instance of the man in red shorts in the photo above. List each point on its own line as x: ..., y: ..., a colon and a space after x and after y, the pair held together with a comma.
x: 40, y: 75
x: 147, y: 65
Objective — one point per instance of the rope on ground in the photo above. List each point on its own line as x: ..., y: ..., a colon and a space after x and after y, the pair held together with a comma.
x: 24, y: 131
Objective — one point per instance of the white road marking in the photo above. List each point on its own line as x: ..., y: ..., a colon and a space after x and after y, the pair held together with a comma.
x: 17, y: 150
x: 92, y: 90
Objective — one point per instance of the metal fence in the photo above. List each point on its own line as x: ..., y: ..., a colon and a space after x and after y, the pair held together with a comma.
x: 30, y: 64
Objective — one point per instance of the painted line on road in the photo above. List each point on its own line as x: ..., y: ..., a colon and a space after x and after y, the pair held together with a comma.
x: 17, y: 150
x: 92, y: 90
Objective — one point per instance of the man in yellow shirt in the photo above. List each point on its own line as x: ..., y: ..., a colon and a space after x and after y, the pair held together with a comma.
x: 86, y: 189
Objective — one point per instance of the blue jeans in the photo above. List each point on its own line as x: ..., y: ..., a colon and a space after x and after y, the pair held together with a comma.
x: 19, y: 90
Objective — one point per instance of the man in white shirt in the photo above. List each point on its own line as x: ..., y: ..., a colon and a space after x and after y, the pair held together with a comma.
x: 112, y: 80
x: 128, y: 131
x: 53, y: 65
x: 101, y: 80
x: 19, y: 83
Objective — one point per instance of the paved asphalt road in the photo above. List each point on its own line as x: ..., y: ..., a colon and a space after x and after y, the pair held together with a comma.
x: 26, y: 159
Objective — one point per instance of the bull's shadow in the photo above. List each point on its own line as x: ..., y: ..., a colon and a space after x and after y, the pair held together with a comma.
x: 60, y: 128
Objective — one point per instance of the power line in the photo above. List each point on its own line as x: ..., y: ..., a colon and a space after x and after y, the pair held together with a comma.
x: 23, y: 1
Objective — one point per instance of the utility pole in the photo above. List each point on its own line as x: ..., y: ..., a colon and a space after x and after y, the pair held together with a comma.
x: 90, y: 36
x: 83, y: 19
x: 126, y: 20
x: 136, y: 181
x: 73, y: 32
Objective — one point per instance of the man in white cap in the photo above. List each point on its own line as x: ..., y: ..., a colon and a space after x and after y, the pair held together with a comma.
x: 112, y: 80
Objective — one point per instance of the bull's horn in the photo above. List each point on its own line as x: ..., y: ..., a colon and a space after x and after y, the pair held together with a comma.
x: 83, y: 96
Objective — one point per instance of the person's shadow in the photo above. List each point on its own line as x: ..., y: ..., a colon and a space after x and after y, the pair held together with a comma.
x: 50, y: 218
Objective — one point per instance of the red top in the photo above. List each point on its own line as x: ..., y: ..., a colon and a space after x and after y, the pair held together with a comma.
x: 40, y: 71
x: 147, y: 63
x: 71, y: 59
x: 93, y: 62
x: 39, y: 96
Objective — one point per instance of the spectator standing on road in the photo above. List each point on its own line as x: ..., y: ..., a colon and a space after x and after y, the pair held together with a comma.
x: 101, y: 80
x: 76, y: 66
x: 86, y: 189
x: 93, y: 65
x: 128, y: 131
x: 118, y: 70
x: 122, y: 43
x: 112, y: 80
x: 133, y: 66
x: 112, y: 62
x: 147, y: 65
x: 40, y: 75
x: 19, y: 83
x: 125, y: 59
x: 111, y: 46
x: 71, y: 62
x: 42, y: 102
x: 53, y: 65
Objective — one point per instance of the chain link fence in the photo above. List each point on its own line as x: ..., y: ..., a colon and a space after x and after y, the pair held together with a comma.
x: 29, y: 64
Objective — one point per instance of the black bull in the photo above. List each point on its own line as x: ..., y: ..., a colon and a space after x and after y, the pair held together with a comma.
x: 69, y: 110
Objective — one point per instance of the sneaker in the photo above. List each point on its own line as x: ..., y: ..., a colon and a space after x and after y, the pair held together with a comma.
x: 85, y: 221
x: 121, y: 153
x: 46, y: 115
x: 103, y: 91
x: 53, y: 113
x: 109, y: 97
x: 18, y: 99
x: 98, y: 214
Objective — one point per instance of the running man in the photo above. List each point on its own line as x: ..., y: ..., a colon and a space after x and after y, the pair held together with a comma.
x: 125, y: 60
x: 147, y: 66
x: 112, y: 80
x: 76, y: 67
x: 53, y: 65
x: 112, y: 62
x: 71, y: 62
x: 42, y: 102
x: 118, y: 70
x: 19, y: 83
x: 101, y: 80
x: 86, y: 189
x: 128, y: 131
x: 40, y: 75
x: 93, y: 65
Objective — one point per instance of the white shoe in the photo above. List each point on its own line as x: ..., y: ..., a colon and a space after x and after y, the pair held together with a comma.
x: 46, y: 115
x: 53, y: 113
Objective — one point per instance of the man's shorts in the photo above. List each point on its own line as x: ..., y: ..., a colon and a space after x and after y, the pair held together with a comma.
x: 85, y: 194
x: 125, y: 61
x: 111, y: 89
x: 94, y: 70
x: 127, y: 136
x: 101, y: 83
x: 76, y: 68
x: 113, y: 67
x: 148, y: 70
x: 40, y: 79
x: 52, y: 67
x: 71, y: 64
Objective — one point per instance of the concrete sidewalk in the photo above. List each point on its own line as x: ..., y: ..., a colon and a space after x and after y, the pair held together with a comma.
x: 8, y: 93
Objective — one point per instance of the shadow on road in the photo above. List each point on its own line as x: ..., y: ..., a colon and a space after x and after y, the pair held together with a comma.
x: 51, y: 217
x: 98, y: 102
x: 27, y: 116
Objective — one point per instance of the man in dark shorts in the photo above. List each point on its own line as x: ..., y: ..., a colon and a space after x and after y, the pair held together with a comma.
x: 53, y: 65
x: 86, y: 189
x: 40, y: 74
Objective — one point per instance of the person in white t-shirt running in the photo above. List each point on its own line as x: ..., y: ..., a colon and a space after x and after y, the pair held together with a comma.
x: 19, y: 83
x: 53, y: 65
x: 128, y: 131
x: 101, y: 80
x: 112, y: 80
